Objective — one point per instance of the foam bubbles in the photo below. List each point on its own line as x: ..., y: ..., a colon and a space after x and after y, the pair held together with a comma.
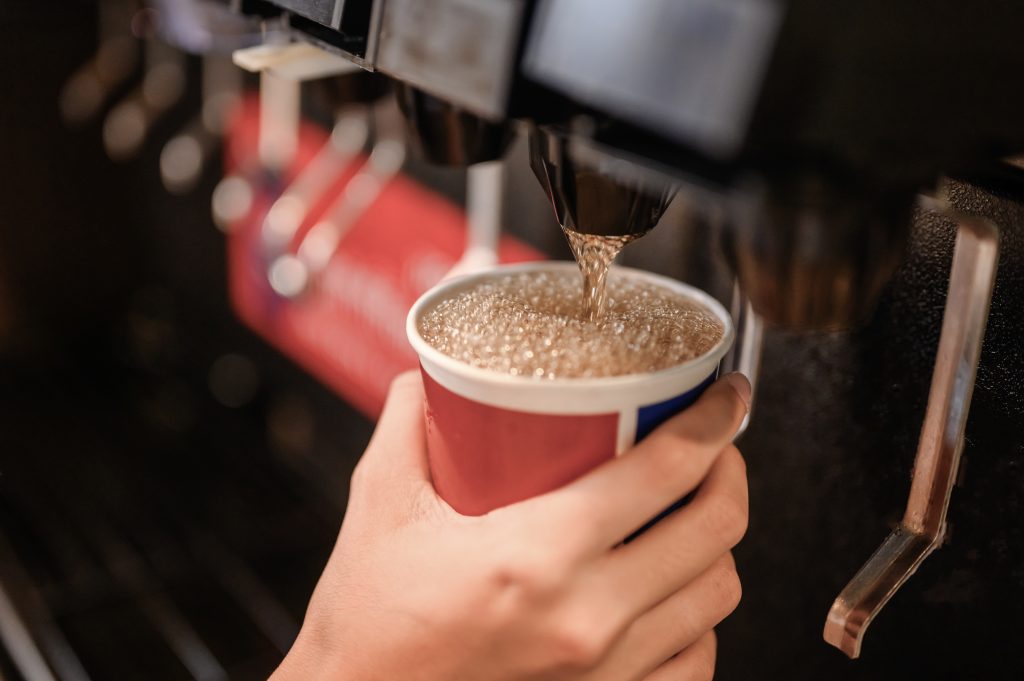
x: 531, y: 324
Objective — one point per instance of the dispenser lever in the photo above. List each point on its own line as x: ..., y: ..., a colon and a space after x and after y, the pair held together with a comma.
x: 923, y: 528
x: 291, y: 275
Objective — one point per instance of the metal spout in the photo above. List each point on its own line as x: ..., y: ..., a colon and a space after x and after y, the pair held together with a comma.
x: 587, y: 200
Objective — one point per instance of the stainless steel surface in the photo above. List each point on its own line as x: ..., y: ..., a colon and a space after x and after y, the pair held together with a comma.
x: 460, y: 50
x: 373, y: 37
x: 942, y: 439
x: 326, y: 12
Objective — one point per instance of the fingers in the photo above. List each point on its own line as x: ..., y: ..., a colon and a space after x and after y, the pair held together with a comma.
x: 677, y: 622
x: 696, y: 663
x: 618, y: 497
x: 398, y: 448
x: 683, y: 545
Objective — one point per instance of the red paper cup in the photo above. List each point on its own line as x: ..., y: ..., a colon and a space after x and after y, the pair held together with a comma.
x: 495, y: 439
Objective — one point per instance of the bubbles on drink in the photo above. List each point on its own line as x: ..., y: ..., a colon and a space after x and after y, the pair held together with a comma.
x: 594, y: 253
x: 530, y: 324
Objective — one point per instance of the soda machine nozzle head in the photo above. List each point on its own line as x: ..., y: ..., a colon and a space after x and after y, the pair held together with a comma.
x: 587, y: 199
x: 358, y: 87
x: 444, y: 134
x: 818, y: 250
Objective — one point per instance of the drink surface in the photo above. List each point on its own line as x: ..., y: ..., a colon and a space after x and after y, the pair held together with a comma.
x: 531, y: 324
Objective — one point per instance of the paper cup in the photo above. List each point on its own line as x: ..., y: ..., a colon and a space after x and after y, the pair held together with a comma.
x: 495, y: 439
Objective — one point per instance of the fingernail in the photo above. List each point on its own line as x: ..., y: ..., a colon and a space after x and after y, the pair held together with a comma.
x: 741, y: 385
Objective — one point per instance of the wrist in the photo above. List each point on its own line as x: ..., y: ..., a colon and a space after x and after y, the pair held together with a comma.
x: 308, y: 662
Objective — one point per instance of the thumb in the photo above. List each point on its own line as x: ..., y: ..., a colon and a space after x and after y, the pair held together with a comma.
x: 398, y: 448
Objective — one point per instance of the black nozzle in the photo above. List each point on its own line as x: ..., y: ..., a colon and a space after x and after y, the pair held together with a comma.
x: 442, y: 133
x: 587, y: 199
x: 820, y: 250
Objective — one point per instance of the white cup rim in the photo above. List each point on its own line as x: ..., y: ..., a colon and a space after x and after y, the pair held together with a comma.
x: 436, y: 362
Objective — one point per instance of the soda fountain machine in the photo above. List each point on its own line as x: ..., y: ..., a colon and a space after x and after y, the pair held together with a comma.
x: 851, y: 170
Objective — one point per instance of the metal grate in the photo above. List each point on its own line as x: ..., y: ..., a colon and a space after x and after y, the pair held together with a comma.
x: 127, y: 553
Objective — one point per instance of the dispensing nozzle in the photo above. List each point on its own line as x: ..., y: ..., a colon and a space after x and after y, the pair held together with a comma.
x: 816, y: 250
x: 587, y: 199
x: 444, y: 134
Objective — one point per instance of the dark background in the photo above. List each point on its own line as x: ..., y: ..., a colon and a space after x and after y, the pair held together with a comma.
x: 150, y: 531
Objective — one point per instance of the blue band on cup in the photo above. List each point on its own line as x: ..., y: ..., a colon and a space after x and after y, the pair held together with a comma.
x: 653, y: 415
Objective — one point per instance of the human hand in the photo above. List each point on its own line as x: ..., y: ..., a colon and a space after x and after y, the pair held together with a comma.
x: 542, y: 589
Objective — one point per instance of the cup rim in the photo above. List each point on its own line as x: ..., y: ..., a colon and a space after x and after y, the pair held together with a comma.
x: 444, y: 289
